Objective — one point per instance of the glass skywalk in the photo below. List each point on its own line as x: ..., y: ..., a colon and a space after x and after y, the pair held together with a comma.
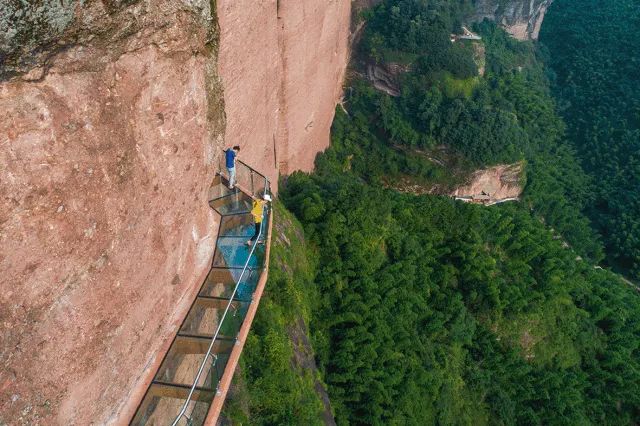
x: 180, y: 392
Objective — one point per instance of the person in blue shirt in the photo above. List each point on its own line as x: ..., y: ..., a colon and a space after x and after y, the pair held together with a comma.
x: 230, y: 157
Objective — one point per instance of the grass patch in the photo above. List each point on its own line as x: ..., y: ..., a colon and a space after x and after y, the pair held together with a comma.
x: 459, y: 88
x: 399, y: 57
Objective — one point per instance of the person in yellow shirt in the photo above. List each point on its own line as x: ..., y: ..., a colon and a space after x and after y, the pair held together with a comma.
x: 258, y: 213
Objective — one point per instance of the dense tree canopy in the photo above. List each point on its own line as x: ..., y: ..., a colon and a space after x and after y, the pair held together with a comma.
x: 435, y: 311
x: 595, y: 58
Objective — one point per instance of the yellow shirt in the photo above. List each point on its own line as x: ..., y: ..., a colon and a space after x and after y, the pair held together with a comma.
x: 256, y: 211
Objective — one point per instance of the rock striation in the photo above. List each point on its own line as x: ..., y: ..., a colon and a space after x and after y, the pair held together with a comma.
x: 384, y: 77
x: 521, y: 18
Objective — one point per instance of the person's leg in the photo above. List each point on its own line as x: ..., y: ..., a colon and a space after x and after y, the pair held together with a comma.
x: 255, y: 234
x: 261, y: 240
x: 232, y: 177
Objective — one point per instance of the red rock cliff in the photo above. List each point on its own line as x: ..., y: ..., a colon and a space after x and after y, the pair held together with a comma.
x: 111, y: 122
x: 280, y: 93
x: 106, y: 151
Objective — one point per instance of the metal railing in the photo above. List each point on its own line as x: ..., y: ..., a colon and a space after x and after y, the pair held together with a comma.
x: 256, y: 190
x: 247, y: 178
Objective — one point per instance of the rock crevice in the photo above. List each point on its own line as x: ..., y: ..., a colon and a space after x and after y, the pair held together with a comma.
x: 281, y: 92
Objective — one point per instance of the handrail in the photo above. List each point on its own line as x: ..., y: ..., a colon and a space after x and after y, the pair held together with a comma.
x: 215, y: 336
x: 250, y: 186
x: 249, y: 167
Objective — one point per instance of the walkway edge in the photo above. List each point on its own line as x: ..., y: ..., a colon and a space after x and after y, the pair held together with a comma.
x: 144, y: 381
x: 225, y: 381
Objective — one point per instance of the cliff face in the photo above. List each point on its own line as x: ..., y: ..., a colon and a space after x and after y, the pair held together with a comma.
x: 521, y: 18
x: 107, y: 150
x: 112, y: 118
x: 280, y: 93
x: 493, y: 185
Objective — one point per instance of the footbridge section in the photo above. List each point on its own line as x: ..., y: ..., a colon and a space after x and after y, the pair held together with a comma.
x: 191, y: 383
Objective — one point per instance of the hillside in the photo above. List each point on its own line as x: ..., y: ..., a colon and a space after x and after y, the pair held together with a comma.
x: 439, y: 312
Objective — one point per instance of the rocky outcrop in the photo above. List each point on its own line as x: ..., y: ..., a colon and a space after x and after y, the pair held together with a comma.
x: 281, y: 91
x: 383, y: 80
x: 521, y: 18
x: 480, y: 56
x: 109, y: 121
x: 493, y: 185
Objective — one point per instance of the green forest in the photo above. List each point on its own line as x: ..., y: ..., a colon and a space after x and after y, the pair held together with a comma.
x: 438, y: 312
x: 594, y: 56
x: 424, y: 310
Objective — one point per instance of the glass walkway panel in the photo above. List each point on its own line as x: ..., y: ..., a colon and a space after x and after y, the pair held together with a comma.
x: 186, y: 383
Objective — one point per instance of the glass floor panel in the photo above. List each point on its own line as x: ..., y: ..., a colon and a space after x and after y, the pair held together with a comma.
x: 186, y: 344
x: 238, y: 225
x: 180, y: 368
x: 221, y: 281
x: 219, y: 190
x: 233, y: 252
x: 215, y: 370
x: 205, y: 314
x: 162, y: 404
x: 232, y: 204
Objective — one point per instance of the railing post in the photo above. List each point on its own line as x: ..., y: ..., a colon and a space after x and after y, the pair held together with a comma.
x: 253, y: 192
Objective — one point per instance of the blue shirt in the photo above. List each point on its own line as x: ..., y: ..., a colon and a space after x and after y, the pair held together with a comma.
x: 230, y: 156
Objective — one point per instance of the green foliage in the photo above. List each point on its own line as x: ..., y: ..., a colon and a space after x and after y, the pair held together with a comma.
x: 435, y: 311
x: 358, y: 147
x: 416, y: 26
x: 595, y: 57
x: 416, y: 32
x: 455, y: 88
